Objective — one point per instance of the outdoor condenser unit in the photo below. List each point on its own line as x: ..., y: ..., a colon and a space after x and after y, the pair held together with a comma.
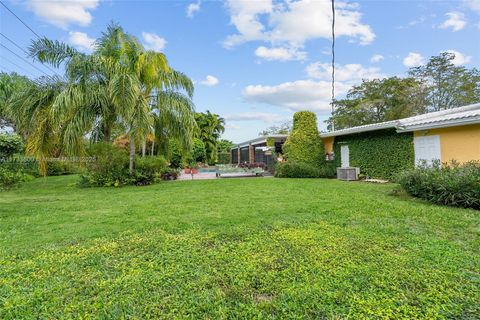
x: 348, y: 173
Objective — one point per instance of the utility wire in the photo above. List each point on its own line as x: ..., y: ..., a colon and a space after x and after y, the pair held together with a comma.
x: 24, y: 51
x: 18, y: 66
x: 333, y: 63
x: 29, y: 28
x: 25, y: 60
x: 26, y: 25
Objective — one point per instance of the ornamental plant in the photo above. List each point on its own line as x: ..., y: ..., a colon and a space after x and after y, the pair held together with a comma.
x: 304, y: 144
x: 10, y: 144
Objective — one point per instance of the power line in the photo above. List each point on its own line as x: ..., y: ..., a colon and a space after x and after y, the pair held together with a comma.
x: 26, y: 25
x: 20, y: 57
x: 18, y: 66
x: 333, y: 63
x: 11, y: 41
x: 16, y: 45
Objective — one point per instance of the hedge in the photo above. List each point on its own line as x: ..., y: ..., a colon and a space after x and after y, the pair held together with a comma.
x: 452, y: 184
x: 304, y: 144
x: 224, y: 158
x: 379, y: 154
x: 303, y: 170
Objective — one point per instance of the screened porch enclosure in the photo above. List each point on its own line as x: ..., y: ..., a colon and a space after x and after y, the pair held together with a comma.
x: 256, y: 150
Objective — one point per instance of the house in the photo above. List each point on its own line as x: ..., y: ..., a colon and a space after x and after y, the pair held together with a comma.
x: 384, y: 149
x: 257, y: 150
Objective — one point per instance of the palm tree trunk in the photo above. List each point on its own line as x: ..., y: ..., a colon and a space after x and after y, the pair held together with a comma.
x: 153, y: 146
x: 131, y: 165
x: 144, y: 148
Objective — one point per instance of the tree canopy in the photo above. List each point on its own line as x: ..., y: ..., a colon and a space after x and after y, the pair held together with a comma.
x: 437, y: 85
x: 119, y: 85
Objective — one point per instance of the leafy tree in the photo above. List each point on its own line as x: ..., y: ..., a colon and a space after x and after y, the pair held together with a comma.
x: 379, y: 100
x: 10, y: 144
x: 283, y: 128
x: 210, y: 128
x: 446, y: 85
x: 199, y: 153
x: 225, y: 145
x: 304, y: 145
x: 9, y: 85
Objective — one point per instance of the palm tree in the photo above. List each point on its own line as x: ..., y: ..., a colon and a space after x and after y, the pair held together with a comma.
x: 32, y: 109
x: 211, y: 126
x: 120, y: 83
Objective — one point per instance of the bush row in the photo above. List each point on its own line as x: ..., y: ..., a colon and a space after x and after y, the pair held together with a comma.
x: 453, y: 184
x: 304, y: 170
x: 110, y: 169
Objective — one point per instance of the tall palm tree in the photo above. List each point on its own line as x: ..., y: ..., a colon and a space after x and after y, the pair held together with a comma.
x: 33, y: 112
x: 119, y: 83
x: 210, y: 128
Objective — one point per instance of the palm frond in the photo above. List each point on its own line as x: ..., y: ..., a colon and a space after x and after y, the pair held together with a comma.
x: 52, y: 52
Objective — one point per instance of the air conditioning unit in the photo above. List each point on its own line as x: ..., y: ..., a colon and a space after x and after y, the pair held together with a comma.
x: 348, y: 173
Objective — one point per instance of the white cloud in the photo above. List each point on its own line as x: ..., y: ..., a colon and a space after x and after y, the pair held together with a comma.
x: 349, y: 73
x: 210, y: 81
x: 460, y: 58
x: 192, y: 8
x: 455, y: 20
x: 64, y: 13
x: 376, y: 58
x: 232, y: 126
x: 473, y: 5
x: 81, y: 41
x: 413, y: 59
x: 280, y: 54
x: 294, y: 22
x: 257, y: 116
x: 154, y: 42
x: 311, y: 94
x: 296, y: 95
x: 413, y: 23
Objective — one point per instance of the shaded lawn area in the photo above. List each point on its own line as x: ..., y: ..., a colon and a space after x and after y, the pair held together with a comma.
x: 234, y: 248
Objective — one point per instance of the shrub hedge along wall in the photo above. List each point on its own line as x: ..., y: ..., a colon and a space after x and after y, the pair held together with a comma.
x: 304, y: 144
x: 379, y: 154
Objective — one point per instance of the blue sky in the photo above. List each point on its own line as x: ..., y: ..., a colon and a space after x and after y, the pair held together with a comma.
x: 257, y: 62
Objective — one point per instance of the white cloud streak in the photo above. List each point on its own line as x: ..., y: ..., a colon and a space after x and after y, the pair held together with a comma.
x: 192, y: 8
x: 455, y: 20
x: 413, y: 59
x: 81, y: 41
x: 376, y: 58
x: 210, y: 81
x: 152, y: 41
x: 64, y: 13
x: 460, y: 58
x: 280, y: 54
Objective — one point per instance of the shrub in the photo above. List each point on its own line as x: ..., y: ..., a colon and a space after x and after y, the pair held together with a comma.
x: 169, y: 174
x: 148, y: 170
x: 304, y: 144
x: 110, y: 168
x: 10, y: 144
x: 199, y: 154
x: 303, y: 170
x: 30, y: 166
x: 10, y: 178
x: 224, y: 157
x: 454, y: 184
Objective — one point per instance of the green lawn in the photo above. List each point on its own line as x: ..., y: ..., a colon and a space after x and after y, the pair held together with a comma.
x: 234, y: 248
